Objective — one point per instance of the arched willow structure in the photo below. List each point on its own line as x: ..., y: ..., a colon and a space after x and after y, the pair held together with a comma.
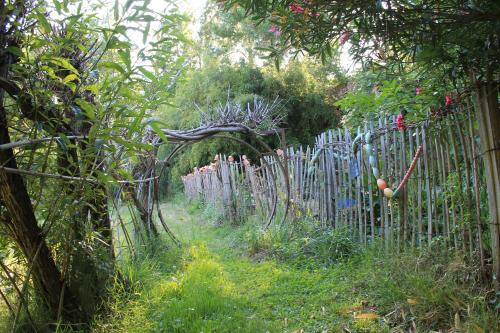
x: 254, y: 121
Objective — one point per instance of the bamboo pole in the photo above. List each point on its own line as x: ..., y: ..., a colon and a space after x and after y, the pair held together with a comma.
x: 403, y: 196
x: 426, y: 153
x: 411, y: 191
x: 370, y: 197
x: 477, y: 199
x: 468, y: 191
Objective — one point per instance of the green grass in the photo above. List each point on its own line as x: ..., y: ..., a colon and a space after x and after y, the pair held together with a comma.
x: 199, y: 297
x: 4, y: 317
x: 243, y: 279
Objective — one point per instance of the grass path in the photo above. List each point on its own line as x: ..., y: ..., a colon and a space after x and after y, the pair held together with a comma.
x: 210, y: 285
x: 264, y: 296
x: 215, y: 287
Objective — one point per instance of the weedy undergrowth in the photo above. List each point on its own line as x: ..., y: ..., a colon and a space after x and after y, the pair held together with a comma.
x: 298, y: 277
x: 303, y: 243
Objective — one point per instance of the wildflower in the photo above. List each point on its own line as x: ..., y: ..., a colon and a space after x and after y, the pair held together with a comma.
x: 296, y: 9
x: 343, y: 37
x: 275, y: 30
x: 313, y: 14
x: 400, y: 122
x: 448, y: 100
x: 418, y: 90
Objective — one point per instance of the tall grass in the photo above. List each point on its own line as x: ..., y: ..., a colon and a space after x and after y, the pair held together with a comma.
x: 197, y: 297
x: 417, y: 288
x: 298, y: 277
x: 303, y: 242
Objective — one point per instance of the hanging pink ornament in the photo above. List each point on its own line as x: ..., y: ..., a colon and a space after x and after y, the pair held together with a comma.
x: 400, y: 122
x: 344, y: 37
x: 448, y: 100
x: 382, y: 185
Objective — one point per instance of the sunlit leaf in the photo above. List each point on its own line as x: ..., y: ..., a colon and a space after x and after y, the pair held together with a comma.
x: 146, y: 33
x: 92, y: 88
x: 112, y: 65
x: 64, y: 63
x: 86, y: 107
x: 157, y: 128
x: 115, y: 43
x: 44, y: 23
x: 125, y: 57
x: 148, y: 74
x: 70, y: 78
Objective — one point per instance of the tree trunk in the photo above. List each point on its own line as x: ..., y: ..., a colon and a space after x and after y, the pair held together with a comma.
x: 488, y: 116
x: 28, y: 236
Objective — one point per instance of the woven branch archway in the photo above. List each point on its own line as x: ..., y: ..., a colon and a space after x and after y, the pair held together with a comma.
x: 231, y: 120
x: 272, y: 213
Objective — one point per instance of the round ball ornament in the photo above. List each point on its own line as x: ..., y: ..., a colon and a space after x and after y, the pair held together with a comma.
x: 388, y: 193
x: 382, y: 185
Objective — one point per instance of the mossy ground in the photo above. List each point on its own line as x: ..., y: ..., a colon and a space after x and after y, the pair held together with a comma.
x: 211, y: 284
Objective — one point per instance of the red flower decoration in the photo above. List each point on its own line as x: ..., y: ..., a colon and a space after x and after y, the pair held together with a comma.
x: 343, y: 37
x: 400, y: 122
x: 448, y: 100
x: 296, y: 8
x: 418, y: 90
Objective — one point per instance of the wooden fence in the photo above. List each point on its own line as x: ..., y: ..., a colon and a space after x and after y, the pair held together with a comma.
x: 234, y: 188
x: 444, y: 199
